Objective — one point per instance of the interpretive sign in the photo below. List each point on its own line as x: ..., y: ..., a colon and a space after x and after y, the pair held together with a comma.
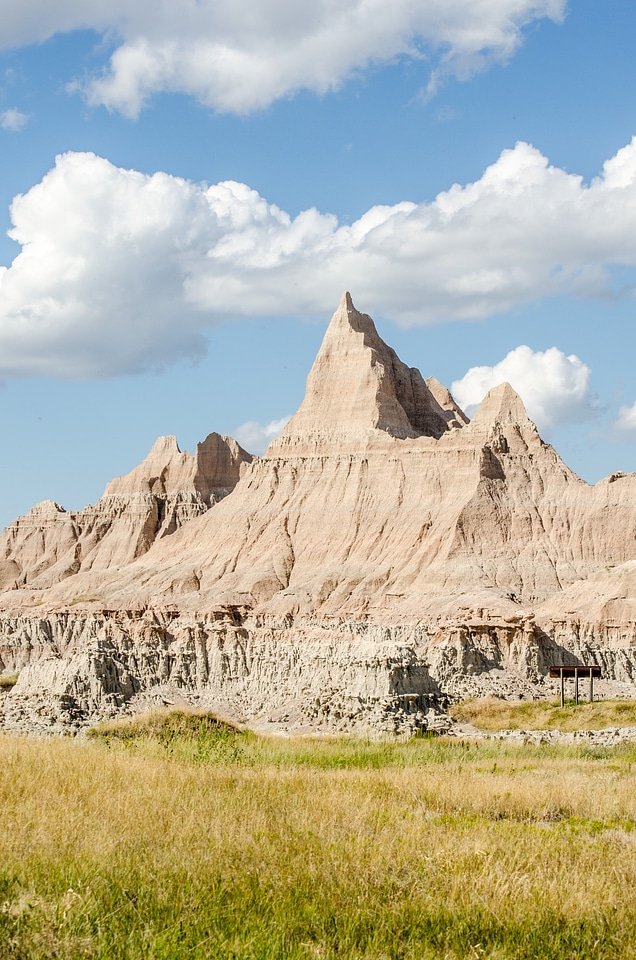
x: 574, y: 672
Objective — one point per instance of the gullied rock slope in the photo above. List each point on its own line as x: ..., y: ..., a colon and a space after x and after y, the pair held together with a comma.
x: 383, y: 555
x: 50, y: 544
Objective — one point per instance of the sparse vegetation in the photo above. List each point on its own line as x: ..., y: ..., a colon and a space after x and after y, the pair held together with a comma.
x: 492, y: 714
x: 8, y: 680
x: 178, y: 836
x: 182, y: 735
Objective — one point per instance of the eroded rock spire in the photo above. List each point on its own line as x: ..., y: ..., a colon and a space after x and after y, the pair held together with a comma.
x: 357, y: 386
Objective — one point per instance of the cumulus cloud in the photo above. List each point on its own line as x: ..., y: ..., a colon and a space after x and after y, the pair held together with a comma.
x: 256, y: 437
x: 120, y: 271
x: 555, y: 388
x: 98, y: 286
x: 241, y: 55
x: 626, y: 422
x: 13, y: 120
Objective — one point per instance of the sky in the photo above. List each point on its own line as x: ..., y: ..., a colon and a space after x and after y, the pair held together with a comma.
x: 187, y: 187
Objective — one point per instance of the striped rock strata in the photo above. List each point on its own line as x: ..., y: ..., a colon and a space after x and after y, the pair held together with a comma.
x: 384, y: 555
x: 169, y: 488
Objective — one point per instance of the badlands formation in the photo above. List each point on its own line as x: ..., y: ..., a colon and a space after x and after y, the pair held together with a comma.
x: 383, y: 557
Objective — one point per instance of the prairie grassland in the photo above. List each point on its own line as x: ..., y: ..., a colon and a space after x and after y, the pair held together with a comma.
x: 181, y: 838
x: 492, y: 714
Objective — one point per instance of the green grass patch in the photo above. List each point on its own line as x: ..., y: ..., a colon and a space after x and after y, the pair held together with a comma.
x: 493, y: 715
x: 181, y: 734
x: 8, y: 680
x: 202, y: 737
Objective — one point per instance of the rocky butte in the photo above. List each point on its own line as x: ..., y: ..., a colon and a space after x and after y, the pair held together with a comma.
x: 384, y: 556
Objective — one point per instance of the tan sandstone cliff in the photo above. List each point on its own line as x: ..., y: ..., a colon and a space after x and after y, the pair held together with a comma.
x: 383, y: 555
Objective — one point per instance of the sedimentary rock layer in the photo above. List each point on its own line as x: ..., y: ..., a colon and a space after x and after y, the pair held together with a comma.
x: 169, y: 488
x: 385, y: 551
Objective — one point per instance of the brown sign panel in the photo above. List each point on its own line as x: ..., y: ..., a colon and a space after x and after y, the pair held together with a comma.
x: 584, y: 670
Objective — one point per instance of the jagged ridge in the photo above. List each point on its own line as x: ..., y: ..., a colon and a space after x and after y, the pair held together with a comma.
x: 381, y: 536
x: 168, y: 489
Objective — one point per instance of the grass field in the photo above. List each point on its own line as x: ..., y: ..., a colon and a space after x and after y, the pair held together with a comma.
x: 181, y: 838
x: 492, y: 714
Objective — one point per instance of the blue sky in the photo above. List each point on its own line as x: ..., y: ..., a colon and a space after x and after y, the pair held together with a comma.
x: 465, y: 169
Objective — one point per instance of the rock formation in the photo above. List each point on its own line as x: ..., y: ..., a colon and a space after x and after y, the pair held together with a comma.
x: 50, y: 544
x: 384, y: 555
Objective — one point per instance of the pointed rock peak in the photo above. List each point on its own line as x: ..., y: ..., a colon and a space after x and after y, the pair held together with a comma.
x: 344, y: 310
x: 164, y: 458
x: 346, y: 303
x: 502, y: 420
x: 217, y: 445
x: 164, y: 446
x: 504, y: 404
x: 446, y: 401
x: 211, y: 473
x: 218, y: 466
x: 347, y: 320
x: 164, y: 454
x: 357, y: 387
x: 211, y: 444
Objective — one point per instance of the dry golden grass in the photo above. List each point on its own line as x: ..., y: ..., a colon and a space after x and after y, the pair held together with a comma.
x: 154, y: 846
x: 492, y: 714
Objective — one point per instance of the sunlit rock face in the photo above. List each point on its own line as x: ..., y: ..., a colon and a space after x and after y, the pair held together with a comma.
x: 169, y: 488
x: 359, y: 389
x: 384, y: 555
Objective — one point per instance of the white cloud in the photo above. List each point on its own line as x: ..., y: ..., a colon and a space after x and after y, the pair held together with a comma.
x: 555, y: 388
x: 120, y: 271
x: 13, y: 120
x: 626, y: 422
x: 241, y: 55
x: 98, y: 286
x: 256, y: 437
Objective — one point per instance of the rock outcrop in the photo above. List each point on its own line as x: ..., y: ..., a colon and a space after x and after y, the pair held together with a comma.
x: 384, y: 555
x: 170, y: 487
x: 358, y: 387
